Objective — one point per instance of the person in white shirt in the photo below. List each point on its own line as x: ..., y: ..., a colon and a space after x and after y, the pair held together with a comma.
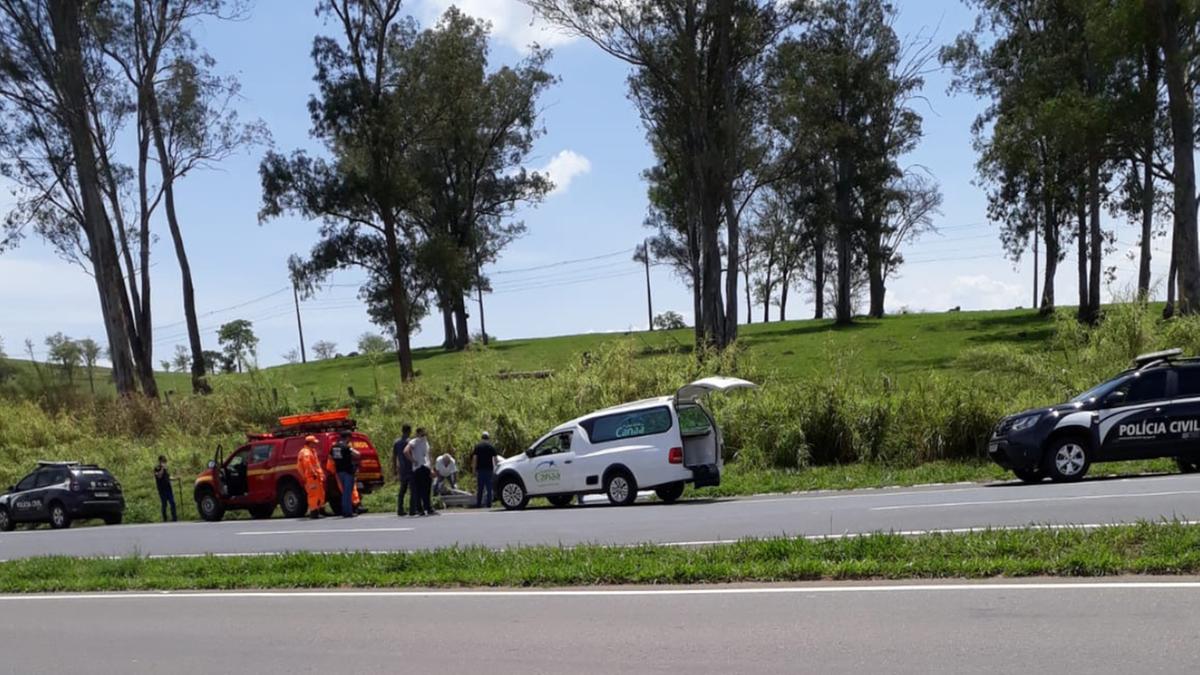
x: 417, y: 452
x: 445, y: 471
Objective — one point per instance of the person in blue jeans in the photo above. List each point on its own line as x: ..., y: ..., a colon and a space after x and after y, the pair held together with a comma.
x: 166, y: 495
x: 486, y: 456
x: 345, y: 461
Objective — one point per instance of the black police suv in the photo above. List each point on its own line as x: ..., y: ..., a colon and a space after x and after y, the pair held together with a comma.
x: 60, y: 492
x: 1151, y: 410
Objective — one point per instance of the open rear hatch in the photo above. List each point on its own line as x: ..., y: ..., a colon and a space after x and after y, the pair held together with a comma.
x: 702, y: 441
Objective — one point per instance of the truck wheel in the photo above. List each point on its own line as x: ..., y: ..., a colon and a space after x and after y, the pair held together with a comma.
x: 561, y: 500
x: 1067, y: 459
x: 6, y: 521
x: 620, y: 487
x: 1029, y: 475
x: 1187, y: 465
x: 59, y: 519
x: 262, y: 512
x: 512, y: 494
x: 210, y: 507
x: 292, y: 501
x: 670, y: 493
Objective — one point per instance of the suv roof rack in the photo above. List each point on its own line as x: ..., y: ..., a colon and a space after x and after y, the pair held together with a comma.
x: 47, y: 462
x: 314, y: 423
x: 1154, y: 358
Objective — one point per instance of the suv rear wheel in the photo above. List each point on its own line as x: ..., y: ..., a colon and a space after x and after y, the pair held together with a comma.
x: 210, y: 507
x: 1067, y: 459
x: 6, y: 521
x: 59, y: 519
x: 114, y: 519
x: 292, y: 501
x: 1029, y: 475
x: 1187, y: 464
x: 620, y: 487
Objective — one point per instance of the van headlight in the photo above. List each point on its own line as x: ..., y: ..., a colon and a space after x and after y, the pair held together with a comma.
x: 1022, y: 423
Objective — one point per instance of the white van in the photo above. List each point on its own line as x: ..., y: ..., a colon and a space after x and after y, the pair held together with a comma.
x: 660, y: 444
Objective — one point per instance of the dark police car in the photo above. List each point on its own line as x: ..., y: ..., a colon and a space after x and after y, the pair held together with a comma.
x: 59, y: 492
x: 1150, y: 410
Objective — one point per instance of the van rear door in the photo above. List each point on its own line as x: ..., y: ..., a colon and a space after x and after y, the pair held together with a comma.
x: 703, y: 444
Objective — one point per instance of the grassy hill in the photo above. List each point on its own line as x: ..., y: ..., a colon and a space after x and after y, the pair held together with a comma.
x: 904, y: 347
x: 905, y: 399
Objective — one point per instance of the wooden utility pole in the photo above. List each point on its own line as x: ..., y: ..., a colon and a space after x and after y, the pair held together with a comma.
x: 299, y: 326
x: 649, y: 303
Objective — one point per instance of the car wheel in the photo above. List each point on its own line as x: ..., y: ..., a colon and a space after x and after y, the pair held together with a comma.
x: 512, y: 494
x: 1029, y: 475
x: 6, y: 521
x: 262, y: 512
x: 210, y: 507
x: 292, y: 502
x: 1187, y: 465
x: 114, y: 520
x: 59, y: 519
x: 620, y: 487
x: 1067, y: 460
x: 561, y: 500
x: 670, y: 493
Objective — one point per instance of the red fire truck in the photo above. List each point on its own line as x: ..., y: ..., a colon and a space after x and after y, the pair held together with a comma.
x: 262, y: 473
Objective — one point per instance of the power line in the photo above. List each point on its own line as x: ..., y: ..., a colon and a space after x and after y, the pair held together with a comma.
x: 226, y: 309
x: 572, y: 282
x: 564, y: 262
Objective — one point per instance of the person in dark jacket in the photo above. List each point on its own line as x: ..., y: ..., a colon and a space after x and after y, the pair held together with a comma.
x: 486, y: 457
x: 166, y: 495
x: 403, y: 467
x: 345, y: 460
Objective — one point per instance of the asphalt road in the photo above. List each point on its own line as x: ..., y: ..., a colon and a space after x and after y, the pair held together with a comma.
x: 1083, y: 627
x: 952, y: 507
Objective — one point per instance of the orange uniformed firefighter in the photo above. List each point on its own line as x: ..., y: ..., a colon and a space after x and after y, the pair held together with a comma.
x: 314, y: 478
x: 331, y: 469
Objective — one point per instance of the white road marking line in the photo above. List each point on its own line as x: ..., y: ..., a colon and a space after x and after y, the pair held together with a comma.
x: 623, y: 592
x: 1032, y: 500
x: 328, y: 531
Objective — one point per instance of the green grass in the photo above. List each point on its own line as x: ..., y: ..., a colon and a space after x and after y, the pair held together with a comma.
x: 1146, y: 548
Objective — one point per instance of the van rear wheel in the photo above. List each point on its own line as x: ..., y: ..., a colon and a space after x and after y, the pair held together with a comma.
x: 621, y: 488
x: 670, y: 493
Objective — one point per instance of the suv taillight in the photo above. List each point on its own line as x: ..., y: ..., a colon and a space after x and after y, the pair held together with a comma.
x: 675, y: 456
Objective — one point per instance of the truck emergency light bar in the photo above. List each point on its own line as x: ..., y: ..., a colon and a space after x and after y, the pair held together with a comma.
x: 342, y: 415
x: 294, y: 425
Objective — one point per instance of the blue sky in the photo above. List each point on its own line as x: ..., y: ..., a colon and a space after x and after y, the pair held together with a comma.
x: 595, y: 150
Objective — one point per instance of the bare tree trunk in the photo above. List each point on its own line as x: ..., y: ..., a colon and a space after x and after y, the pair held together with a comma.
x: 1097, y: 241
x: 1050, y: 240
x: 1185, y: 254
x: 785, y: 281
x: 400, y: 308
x: 462, y: 328
x: 733, y: 244
x: 819, y: 274
x: 844, y: 254
x: 1150, y: 82
x: 1169, y: 309
x: 1081, y: 237
x: 749, y: 304
x: 875, y: 279
x: 65, y: 25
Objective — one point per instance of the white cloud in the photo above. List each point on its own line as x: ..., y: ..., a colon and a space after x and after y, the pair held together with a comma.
x: 564, y: 168
x: 513, y: 22
x: 977, y: 291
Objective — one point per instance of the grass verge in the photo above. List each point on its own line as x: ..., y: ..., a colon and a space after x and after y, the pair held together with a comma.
x: 1145, y: 548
